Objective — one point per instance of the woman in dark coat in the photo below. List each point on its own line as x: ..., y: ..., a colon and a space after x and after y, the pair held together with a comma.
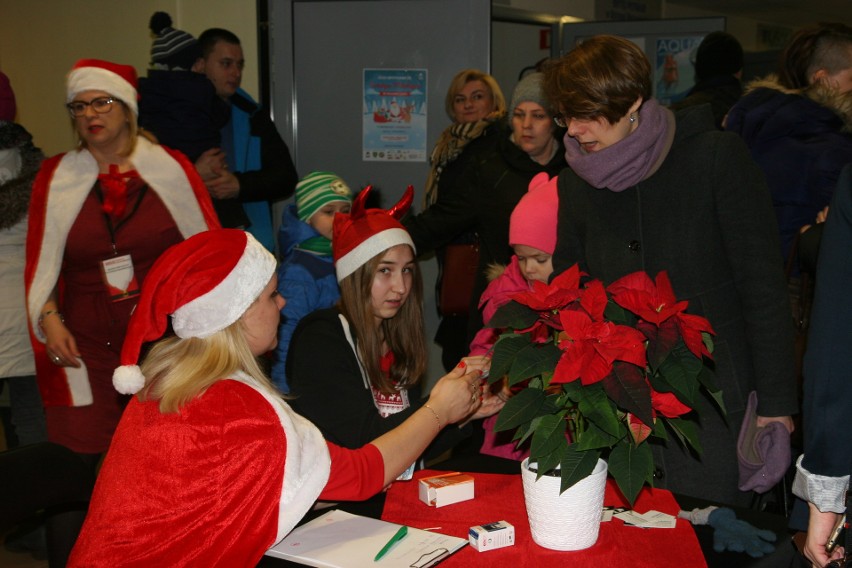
x: 650, y: 190
x: 476, y: 105
x: 498, y: 174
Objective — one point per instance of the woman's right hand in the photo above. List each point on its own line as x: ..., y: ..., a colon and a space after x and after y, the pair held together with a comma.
x: 457, y: 394
x: 61, y: 346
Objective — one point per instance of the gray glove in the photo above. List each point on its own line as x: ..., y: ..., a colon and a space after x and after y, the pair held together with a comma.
x: 735, y: 535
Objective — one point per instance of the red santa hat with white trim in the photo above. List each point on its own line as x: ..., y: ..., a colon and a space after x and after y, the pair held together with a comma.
x: 118, y: 80
x: 363, y: 233
x: 204, y: 283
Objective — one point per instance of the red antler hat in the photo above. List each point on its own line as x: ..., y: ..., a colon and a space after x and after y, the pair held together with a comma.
x: 364, y: 233
x: 98, y: 75
x: 204, y: 283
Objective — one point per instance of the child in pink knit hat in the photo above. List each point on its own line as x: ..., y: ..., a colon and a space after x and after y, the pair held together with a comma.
x: 532, y: 235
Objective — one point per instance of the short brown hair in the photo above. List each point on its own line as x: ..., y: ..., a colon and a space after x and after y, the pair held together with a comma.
x: 464, y: 77
x: 601, y: 77
x: 822, y: 46
x: 404, y: 333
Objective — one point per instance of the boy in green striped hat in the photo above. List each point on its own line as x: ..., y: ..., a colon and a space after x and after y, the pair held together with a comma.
x: 306, y: 277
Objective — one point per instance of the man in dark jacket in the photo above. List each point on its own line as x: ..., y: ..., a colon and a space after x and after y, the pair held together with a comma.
x: 718, y: 70
x: 259, y: 167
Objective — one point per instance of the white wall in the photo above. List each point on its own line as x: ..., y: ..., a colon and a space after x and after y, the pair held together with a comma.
x: 41, y: 39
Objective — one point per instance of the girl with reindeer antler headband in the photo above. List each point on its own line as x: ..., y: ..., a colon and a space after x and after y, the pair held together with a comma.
x: 356, y: 370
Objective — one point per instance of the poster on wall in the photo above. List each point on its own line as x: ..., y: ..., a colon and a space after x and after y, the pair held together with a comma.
x: 394, y: 115
x: 674, y: 71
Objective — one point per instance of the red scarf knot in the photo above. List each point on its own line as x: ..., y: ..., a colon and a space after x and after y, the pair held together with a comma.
x: 114, y: 184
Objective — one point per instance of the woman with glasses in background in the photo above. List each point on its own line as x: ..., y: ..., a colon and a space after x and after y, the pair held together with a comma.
x: 99, y: 217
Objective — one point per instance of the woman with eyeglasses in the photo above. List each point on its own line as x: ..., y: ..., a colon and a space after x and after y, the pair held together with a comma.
x: 99, y: 217
x: 653, y: 190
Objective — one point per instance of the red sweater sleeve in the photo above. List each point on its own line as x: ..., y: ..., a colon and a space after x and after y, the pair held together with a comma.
x: 355, y: 474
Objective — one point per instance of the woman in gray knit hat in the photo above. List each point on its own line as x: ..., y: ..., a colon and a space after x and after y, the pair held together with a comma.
x: 499, y: 170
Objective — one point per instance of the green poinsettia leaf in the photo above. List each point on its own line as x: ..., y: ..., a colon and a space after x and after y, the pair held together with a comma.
x: 504, y: 353
x: 687, y: 432
x: 680, y: 370
x: 660, y: 430
x: 513, y: 316
x: 708, y: 380
x: 627, y: 387
x: 524, y: 431
x: 549, y: 460
x: 520, y: 409
x: 708, y: 341
x: 576, y: 465
x: 661, y: 340
x: 631, y: 466
x: 618, y: 315
x: 549, y: 436
x: 594, y: 438
x: 532, y: 361
x: 596, y: 407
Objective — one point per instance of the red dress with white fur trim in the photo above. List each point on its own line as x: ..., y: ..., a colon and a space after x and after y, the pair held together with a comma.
x: 216, y: 484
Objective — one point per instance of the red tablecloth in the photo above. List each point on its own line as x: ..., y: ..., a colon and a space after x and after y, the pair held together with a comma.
x: 501, y: 498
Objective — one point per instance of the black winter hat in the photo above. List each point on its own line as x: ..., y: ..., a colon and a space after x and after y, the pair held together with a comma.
x: 719, y: 54
x: 172, y: 49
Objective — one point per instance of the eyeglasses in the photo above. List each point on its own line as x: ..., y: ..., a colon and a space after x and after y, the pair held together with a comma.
x: 560, y: 121
x: 100, y: 105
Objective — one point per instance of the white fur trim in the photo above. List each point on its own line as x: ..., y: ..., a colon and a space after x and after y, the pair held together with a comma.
x: 70, y: 185
x: 99, y: 79
x: 224, y: 304
x: 128, y: 379
x: 370, y: 247
x: 79, y: 387
x: 307, y: 465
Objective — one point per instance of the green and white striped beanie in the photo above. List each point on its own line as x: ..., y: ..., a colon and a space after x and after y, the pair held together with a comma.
x: 317, y: 189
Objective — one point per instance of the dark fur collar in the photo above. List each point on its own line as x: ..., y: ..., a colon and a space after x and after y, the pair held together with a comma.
x: 15, y: 193
x: 840, y: 103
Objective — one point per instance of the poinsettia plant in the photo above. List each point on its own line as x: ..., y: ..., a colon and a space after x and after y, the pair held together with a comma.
x: 597, y: 371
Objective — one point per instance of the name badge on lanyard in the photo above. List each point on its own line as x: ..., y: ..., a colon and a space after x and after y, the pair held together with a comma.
x: 119, y: 277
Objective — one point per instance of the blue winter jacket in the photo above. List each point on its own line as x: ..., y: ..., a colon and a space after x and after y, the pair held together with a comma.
x: 801, y: 142
x: 306, y: 281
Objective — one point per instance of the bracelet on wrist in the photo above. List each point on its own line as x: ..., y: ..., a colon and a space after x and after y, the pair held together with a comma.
x: 437, y: 419
x: 43, y: 315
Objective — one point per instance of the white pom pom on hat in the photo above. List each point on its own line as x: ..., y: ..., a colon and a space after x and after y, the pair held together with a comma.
x: 205, y: 283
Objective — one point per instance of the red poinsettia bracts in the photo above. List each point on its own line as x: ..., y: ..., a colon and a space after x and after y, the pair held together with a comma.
x: 590, y: 345
x: 655, y: 303
x: 611, y: 366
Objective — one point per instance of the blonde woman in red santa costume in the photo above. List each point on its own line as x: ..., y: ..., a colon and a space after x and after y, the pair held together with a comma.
x: 209, y: 466
x: 99, y: 217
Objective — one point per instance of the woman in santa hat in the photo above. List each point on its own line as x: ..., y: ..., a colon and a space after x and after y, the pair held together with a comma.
x: 99, y: 217
x: 209, y: 465
x: 356, y: 370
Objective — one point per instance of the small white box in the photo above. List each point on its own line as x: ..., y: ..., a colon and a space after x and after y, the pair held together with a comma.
x: 446, y: 489
x: 491, y: 536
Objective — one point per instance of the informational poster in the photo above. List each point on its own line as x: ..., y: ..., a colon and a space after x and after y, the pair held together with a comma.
x: 394, y: 121
x: 674, y: 71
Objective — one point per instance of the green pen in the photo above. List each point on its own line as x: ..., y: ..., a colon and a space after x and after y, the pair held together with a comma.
x: 400, y: 534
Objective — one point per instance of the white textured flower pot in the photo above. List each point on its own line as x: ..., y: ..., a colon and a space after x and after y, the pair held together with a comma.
x: 570, y: 521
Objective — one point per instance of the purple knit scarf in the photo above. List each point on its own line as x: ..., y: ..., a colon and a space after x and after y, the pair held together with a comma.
x: 630, y: 160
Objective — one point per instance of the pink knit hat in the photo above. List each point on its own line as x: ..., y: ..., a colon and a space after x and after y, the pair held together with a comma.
x: 533, y: 222
x: 364, y: 233
x: 204, y: 283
